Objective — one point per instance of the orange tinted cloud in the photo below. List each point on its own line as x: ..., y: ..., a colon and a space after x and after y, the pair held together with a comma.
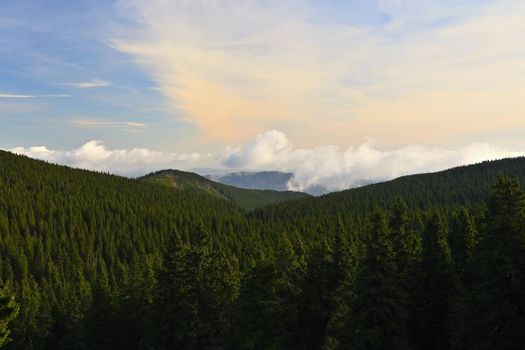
x: 235, y: 68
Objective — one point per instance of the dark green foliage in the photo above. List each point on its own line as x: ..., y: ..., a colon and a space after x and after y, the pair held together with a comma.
x: 196, y: 289
x: 246, y: 198
x: 462, y: 186
x: 104, y: 262
x: 498, y: 305
x: 266, y: 312
x: 436, y: 288
x: 463, y: 241
x: 8, y: 311
x: 379, y: 313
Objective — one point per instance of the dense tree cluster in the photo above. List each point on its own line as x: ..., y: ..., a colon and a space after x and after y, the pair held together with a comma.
x: 103, y: 262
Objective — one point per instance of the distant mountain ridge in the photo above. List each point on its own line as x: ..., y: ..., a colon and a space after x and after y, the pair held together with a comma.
x: 466, y: 185
x: 273, y: 180
x: 262, y: 180
x: 246, y: 198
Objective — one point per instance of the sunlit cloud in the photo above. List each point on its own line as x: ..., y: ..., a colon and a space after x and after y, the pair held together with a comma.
x: 95, y: 155
x: 101, y: 124
x: 326, y: 167
x: 93, y: 83
x: 16, y: 96
x: 333, y: 168
x: 237, y: 68
x: 3, y: 95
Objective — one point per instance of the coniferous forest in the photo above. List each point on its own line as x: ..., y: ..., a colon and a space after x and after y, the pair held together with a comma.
x: 95, y: 261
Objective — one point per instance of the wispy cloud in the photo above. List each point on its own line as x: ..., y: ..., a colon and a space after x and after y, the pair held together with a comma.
x: 3, y: 95
x: 10, y: 95
x: 93, y: 83
x: 236, y: 68
x: 101, y: 123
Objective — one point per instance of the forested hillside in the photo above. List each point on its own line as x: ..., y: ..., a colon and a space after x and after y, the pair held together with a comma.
x: 246, y: 198
x: 95, y: 261
x: 462, y: 186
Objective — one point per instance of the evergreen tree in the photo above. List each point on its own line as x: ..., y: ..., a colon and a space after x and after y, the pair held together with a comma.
x: 100, y: 317
x: 196, y: 289
x: 8, y: 311
x: 267, y: 312
x: 406, y: 241
x: 379, y: 313
x: 463, y: 241
x: 436, y: 290
x: 498, y: 310
x: 319, y: 284
x: 346, y: 254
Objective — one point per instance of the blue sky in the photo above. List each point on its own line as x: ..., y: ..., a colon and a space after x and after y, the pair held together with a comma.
x: 46, y: 45
x: 204, y: 79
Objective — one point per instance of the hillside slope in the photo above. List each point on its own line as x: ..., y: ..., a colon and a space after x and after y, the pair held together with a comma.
x: 97, y: 261
x: 246, y: 198
x: 466, y: 185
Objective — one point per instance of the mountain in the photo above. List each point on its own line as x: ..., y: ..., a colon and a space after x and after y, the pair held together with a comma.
x: 246, y: 198
x: 269, y: 180
x: 262, y: 180
x: 461, y: 186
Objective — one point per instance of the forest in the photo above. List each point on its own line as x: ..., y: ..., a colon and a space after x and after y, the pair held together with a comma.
x: 96, y: 261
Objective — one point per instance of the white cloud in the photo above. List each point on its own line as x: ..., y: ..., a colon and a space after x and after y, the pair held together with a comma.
x: 238, y: 67
x: 9, y: 95
x: 100, y: 123
x: 93, y: 83
x: 4, y: 95
x: 327, y: 167
x: 94, y: 155
x: 335, y: 169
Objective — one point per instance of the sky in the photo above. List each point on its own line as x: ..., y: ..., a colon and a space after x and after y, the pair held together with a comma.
x: 337, y: 91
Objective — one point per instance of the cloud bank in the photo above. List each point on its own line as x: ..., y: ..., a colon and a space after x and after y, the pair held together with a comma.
x: 336, y: 169
x: 327, y: 167
x: 94, y: 155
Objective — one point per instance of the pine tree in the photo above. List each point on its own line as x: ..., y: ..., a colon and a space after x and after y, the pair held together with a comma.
x: 463, y: 241
x: 406, y: 241
x: 346, y: 254
x: 319, y: 284
x: 196, y: 288
x: 407, y: 249
x: 100, y: 316
x: 8, y: 311
x: 267, y: 310
x: 379, y: 311
x: 436, y: 289
x: 498, y: 309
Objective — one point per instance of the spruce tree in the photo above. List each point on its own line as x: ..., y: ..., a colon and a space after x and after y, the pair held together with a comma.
x: 463, y: 241
x: 320, y: 281
x: 195, y: 292
x: 8, y: 311
x: 497, y: 312
x: 437, y: 287
x: 379, y: 313
x: 346, y: 254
